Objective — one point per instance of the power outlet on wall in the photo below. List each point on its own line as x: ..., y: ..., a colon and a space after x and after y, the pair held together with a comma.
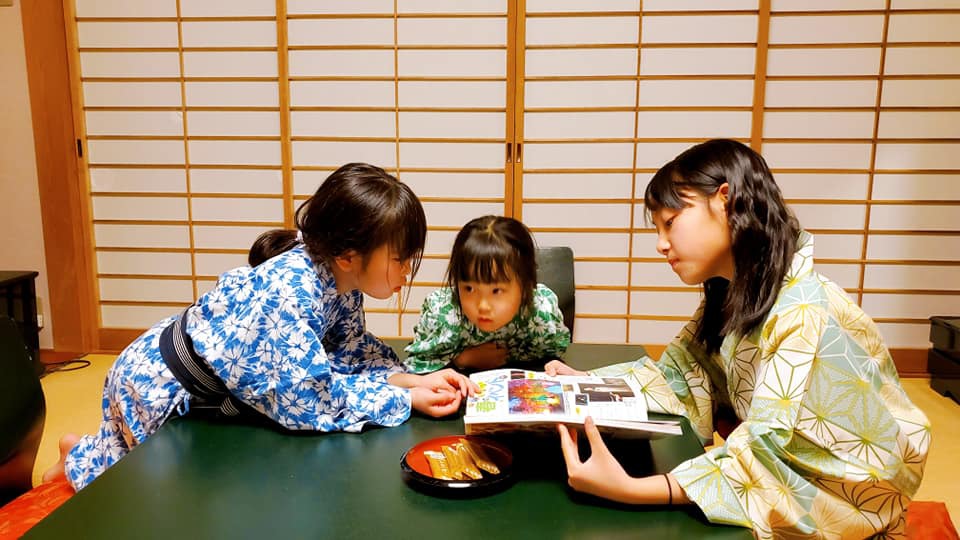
x: 39, y: 305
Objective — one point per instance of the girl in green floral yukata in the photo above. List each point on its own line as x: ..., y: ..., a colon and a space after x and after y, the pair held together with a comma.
x: 825, y: 443
x: 492, y: 311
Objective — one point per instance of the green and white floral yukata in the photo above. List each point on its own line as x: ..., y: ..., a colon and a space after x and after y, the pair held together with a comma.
x: 829, y: 444
x: 444, y: 332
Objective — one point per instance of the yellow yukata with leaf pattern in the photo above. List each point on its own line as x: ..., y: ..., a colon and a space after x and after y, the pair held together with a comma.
x: 829, y: 444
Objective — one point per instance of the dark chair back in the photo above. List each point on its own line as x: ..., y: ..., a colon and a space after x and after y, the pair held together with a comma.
x: 555, y: 270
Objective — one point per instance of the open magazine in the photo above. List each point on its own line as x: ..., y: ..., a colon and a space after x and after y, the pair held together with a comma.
x: 518, y: 400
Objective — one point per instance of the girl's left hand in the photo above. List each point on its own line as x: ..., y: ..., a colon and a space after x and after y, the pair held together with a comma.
x: 601, y: 474
x: 449, y: 380
x: 435, y: 403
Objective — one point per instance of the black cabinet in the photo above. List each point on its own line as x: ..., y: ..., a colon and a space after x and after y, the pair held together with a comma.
x: 943, y: 359
x: 18, y: 300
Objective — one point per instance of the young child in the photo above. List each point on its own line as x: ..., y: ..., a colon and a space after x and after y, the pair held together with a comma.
x: 284, y: 338
x: 828, y: 444
x: 492, y: 310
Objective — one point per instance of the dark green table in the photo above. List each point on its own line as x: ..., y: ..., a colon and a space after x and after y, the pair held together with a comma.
x: 196, y: 479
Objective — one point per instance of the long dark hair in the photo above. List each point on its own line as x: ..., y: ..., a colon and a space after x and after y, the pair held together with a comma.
x: 763, y: 231
x: 358, y: 207
x: 492, y: 249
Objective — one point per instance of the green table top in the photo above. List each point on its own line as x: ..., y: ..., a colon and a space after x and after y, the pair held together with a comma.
x: 198, y: 479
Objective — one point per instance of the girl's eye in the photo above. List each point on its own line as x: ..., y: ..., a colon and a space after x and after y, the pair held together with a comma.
x: 497, y: 290
x: 669, y: 222
x: 468, y: 288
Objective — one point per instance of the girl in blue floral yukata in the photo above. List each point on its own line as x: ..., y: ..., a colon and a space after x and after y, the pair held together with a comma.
x: 492, y: 310
x: 823, y: 442
x: 284, y: 338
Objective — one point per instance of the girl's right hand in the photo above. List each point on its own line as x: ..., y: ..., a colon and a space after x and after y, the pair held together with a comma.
x: 436, y: 403
x: 556, y: 367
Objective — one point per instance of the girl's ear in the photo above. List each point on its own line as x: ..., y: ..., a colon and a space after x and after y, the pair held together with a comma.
x: 724, y: 191
x: 349, y: 261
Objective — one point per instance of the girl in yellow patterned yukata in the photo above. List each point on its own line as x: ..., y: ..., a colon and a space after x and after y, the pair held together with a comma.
x: 825, y: 443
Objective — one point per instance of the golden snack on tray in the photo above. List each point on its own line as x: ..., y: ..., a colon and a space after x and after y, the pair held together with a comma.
x: 453, y: 461
x: 438, y: 465
x: 480, y: 457
x: 469, y: 467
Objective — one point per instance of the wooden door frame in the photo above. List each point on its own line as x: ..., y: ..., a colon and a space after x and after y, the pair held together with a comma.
x: 63, y: 197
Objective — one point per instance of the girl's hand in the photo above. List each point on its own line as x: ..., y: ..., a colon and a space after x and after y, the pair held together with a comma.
x: 435, y: 403
x: 556, y: 367
x: 599, y: 475
x: 449, y: 380
x: 490, y: 355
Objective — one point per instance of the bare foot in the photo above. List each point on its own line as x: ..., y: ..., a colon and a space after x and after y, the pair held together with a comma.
x: 67, y: 442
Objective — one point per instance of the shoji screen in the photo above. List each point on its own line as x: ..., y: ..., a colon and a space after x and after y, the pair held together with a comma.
x: 611, y: 92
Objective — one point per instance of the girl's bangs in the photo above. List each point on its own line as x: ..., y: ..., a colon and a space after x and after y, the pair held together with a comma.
x: 666, y: 190
x: 490, y: 267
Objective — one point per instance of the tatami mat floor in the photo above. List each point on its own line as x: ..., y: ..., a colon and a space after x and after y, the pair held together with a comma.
x: 74, y: 404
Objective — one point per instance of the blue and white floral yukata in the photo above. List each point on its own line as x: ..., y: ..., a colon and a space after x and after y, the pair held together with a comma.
x: 282, y: 340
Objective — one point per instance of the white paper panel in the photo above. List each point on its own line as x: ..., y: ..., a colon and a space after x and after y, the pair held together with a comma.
x: 817, y: 155
x: 335, y: 154
x: 341, y: 93
x: 577, y: 215
x: 220, y: 209
x: 823, y: 186
x: 371, y: 63
x: 654, y: 332
x: 147, y: 290
x: 339, y: 6
x: 826, y: 5
x: 137, y: 180
x: 654, y: 156
x: 599, y: 330
x: 228, y: 8
x: 214, y: 264
x: 921, y: 93
x: 451, y: 31
x: 126, y: 35
x: 136, y: 316
x: 898, y: 335
x: 586, y: 244
x: 205, y: 285
x: 576, y: 185
x: 340, y: 31
x: 452, y: 155
x: 645, y: 245
x: 858, y: 61
x: 431, y: 271
x: 452, y: 63
x: 226, y: 237
x: 118, y: 262
x: 919, y: 125
x: 343, y: 124
x: 230, y: 34
x: 131, y: 94
x: 937, y: 27
x: 382, y: 324
x: 548, y: 6
x: 134, y: 123
x: 444, y: 6
x: 462, y: 125
x: 230, y: 64
x: 236, y: 181
x: 915, y: 217
x: 126, y: 8
x: 925, y: 4
x: 153, y: 236
x: 830, y: 216
x: 700, y: 29
x: 232, y: 94
x: 578, y: 125
x: 601, y: 302
x: 579, y: 94
x: 581, y: 30
x: 826, y: 29
x: 130, y: 64
x: 909, y: 306
x: 702, y: 93
x: 696, y: 61
x: 147, y: 208
x: 573, y: 155
x: 546, y: 62
x: 837, y: 246
x: 699, y: 5
x: 426, y: 184
x: 922, y: 60
x: 456, y: 214
x: 234, y: 123
x: 471, y: 94
x: 944, y: 187
x: 918, y: 156
x: 845, y: 275
x: 898, y: 276
x: 913, y: 247
x: 600, y: 273
x: 653, y: 274
x: 439, y: 242
x: 694, y: 124
x: 678, y: 304
x: 148, y: 152
x: 235, y: 152
x: 821, y: 93
x: 818, y: 125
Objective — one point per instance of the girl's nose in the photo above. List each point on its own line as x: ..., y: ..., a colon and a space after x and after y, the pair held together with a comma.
x: 663, y: 245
